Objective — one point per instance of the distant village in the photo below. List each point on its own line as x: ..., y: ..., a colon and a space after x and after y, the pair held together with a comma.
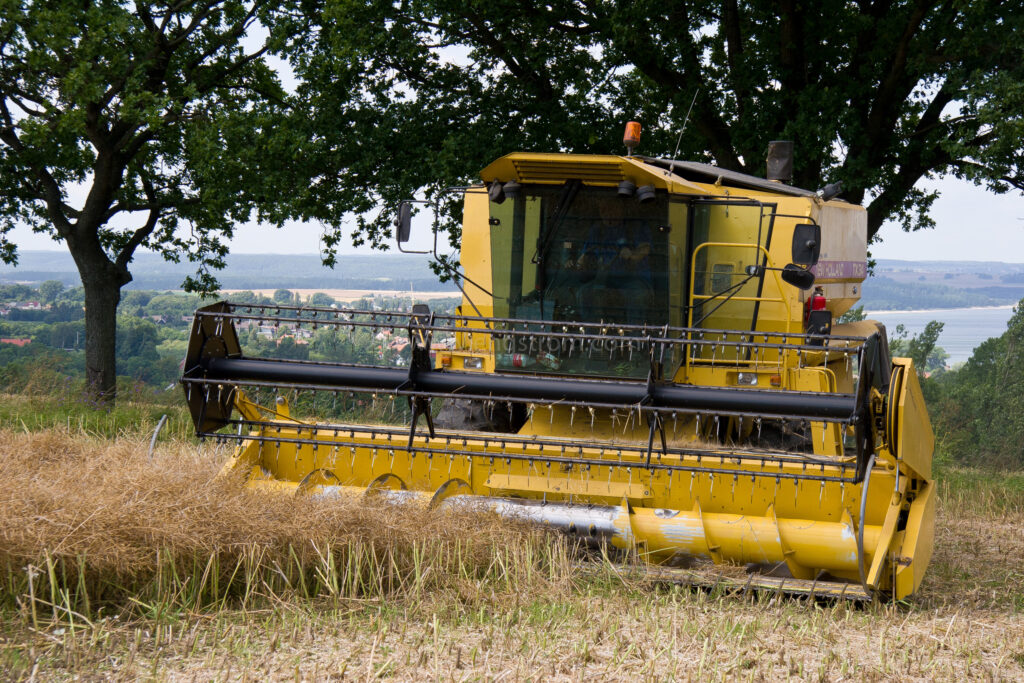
x: 40, y: 320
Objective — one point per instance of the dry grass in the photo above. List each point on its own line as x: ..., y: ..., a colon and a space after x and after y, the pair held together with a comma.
x: 103, y: 525
x: 155, y: 568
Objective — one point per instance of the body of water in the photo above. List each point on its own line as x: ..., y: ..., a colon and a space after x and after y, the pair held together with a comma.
x: 965, y: 328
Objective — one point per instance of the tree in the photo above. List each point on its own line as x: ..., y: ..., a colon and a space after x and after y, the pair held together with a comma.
x: 245, y: 297
x: 122, y: 122
x: 284, y: 296
x: 66, y: 335
x: 287, y: 348
x: 174, y: 307
x: 16, y: 293
x: 921, y: 348
x: 853, y: 315
x: 321, y: 299
x: 878, y: 95
x: 50, y: 290
x: 976, y: 414
x: 136, y: 298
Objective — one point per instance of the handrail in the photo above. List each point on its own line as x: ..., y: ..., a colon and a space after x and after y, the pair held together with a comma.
x: 775, y: 273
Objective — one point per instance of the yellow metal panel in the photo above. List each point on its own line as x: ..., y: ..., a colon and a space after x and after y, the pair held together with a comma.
x: 744, y: 583
x: 858, y: 328
x: 497, y: 242
x: 918, y: 543
x: 539, y: 483
x: 476, y: 252
x: 915, y: 440
x: 750, y: 538
x: 887, y: 535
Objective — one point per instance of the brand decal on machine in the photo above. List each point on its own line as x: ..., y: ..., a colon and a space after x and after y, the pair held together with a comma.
x: 828, y: 270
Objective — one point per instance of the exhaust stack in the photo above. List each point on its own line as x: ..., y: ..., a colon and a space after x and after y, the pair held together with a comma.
x: 780, y: 161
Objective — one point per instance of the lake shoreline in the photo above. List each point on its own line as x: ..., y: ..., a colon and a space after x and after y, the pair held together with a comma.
x: 963, y: 328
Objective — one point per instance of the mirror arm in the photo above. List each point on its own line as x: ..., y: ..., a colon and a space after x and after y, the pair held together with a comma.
x: 398, y: 219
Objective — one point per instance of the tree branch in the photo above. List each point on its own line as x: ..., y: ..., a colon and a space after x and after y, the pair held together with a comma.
x: 734, y: 52
x: 161, y: 205
x: 649, y: 60
x: 541, y: 82
x: 51, y: 194
x: 1016, y: 181
x: 196, y: 20
x: 124, y: 256
x: 894, y: 87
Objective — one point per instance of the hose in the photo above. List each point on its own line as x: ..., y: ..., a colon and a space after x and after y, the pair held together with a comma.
x: 860, y: 525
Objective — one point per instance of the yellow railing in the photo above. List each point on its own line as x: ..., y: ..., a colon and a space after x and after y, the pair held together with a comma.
x: 778, y: 283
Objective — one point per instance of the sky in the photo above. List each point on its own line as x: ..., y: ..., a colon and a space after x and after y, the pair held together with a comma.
x: 972, y: 224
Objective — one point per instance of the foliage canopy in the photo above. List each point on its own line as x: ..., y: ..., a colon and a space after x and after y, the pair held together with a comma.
x: 137, y: 125
x: 878, y: 95
x: 976, y: 409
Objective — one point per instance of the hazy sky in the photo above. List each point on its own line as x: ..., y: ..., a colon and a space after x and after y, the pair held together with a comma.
x: 972, y: 225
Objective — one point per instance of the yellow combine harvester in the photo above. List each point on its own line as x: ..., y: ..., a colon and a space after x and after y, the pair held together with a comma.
x: 646, y: 356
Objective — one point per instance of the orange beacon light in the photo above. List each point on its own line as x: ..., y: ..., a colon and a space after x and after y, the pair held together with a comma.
x: 632, y: 136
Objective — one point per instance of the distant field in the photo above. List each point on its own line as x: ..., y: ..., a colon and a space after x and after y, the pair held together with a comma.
x: 354, y: 294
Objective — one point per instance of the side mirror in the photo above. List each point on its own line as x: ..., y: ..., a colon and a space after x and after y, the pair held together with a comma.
x: 403, y: 222
x: 806, y: 244
x: 797, y: 276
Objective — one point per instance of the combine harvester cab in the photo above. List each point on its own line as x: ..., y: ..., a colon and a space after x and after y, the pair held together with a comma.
x: 645, y: 357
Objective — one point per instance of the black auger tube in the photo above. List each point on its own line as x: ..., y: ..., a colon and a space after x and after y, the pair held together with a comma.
x: 535, y: 388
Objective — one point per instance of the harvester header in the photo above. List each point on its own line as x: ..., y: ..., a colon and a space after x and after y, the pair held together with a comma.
x: 647, y: 356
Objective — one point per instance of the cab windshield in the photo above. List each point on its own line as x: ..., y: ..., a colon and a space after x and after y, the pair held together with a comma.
x: 573, y: 252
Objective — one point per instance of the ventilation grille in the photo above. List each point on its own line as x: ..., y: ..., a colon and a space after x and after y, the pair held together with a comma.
x: 593, y: 172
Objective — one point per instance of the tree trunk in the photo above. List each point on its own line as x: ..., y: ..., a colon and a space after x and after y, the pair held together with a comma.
x: 102, y: 294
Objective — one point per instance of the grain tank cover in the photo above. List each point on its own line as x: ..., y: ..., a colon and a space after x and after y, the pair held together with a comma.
x: 591, y: 169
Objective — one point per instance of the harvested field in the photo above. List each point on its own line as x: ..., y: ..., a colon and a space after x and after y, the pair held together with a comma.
x: 117, y: 565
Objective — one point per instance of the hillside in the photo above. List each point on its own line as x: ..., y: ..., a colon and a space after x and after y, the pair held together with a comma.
x: 249, y: 271
x: 907, y: 285
x: 895, y: 285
